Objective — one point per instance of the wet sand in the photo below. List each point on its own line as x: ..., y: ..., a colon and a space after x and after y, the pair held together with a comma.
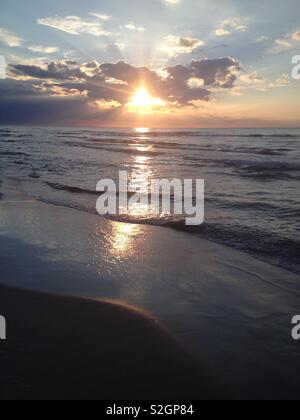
x: 230, y: 311
x: 71, y: 348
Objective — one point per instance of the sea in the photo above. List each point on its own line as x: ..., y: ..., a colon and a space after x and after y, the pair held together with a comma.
x: 252, y: 177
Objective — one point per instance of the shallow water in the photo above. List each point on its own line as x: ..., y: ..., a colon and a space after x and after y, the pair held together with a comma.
x: 251, y: 177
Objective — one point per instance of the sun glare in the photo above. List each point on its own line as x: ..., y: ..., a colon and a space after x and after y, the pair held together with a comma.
x: 143, y: 102
x: 142, y: 130
x: 142, y: 98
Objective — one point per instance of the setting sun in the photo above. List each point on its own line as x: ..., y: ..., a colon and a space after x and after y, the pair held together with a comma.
x: 142, y: 98
x: 143, y: 102
x: 149, y: 203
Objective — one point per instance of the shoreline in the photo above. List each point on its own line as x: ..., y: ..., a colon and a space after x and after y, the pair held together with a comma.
x: 227, y: 309
x: 66, y: 196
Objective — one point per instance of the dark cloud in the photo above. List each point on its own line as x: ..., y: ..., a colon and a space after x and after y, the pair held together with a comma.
x: 188, y: 42
x: 70, y: 90
x: 42, y: 111
x: 218, y: 72
x: 133, y: 76
x: 16, y: 89
x: 56, y: 71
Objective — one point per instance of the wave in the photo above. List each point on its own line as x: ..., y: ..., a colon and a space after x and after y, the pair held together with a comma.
x: 253, y: 151
x: 78, y: 190
x: 13, y: 154
x: 159, y: 144
x: 280, y: 251
x: 67, y: 188
x: 234, y: 204
x: 20, y: 136
x: 268, y: 246
x: 205, y: 134
x: 161, y: 147
x: 272, y: 170
x: 131, y: 151
x: 89, y: 134
x: 213, y: 201
x: 270, y: 166
x: 241, y: 165
x: 178, y: 133
x: 260, y: 170
x: 20, y: 162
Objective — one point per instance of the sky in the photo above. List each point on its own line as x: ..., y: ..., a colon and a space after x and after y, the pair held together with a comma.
x: 154, y: 63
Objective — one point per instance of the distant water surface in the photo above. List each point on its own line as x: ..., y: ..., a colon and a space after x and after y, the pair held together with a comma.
x: 252, y: 177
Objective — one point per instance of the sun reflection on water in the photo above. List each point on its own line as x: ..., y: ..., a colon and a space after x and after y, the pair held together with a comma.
x: 122, y: 238
x: 142, y: 130
x: 119, y: 241
x: 141, y: 174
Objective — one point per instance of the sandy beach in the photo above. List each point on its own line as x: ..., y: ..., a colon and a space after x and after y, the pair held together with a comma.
x: 70, y: 348
x: 149, y: 202
x: 229, y: 311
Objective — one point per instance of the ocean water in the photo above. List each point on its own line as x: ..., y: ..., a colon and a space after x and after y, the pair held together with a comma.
x: 252, y: 177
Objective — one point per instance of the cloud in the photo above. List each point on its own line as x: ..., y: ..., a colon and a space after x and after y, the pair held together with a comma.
x: 222, y: 32
x: 92, y: 93
x: 283, y: 81
x: 195, y: 83
x: 175, y: 45
x: 101, y: 16
x: 281, y: 45
x: 285, y: 43
x: 43, y: 50
x: 254, y: 81
x: 107, y: 88
x: 107, y: 105
x: 15, y: 89
x: 249, y: 81
x: 132, y: 27
x: 262, y: 39
x: 296, y: 36
x: 10, y: 39
x: 75, y: 25
x: 231, y: 25
x: 54, y: 71
x: 220, y: 72
x: 20, y: 103
x: 171, y: 2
